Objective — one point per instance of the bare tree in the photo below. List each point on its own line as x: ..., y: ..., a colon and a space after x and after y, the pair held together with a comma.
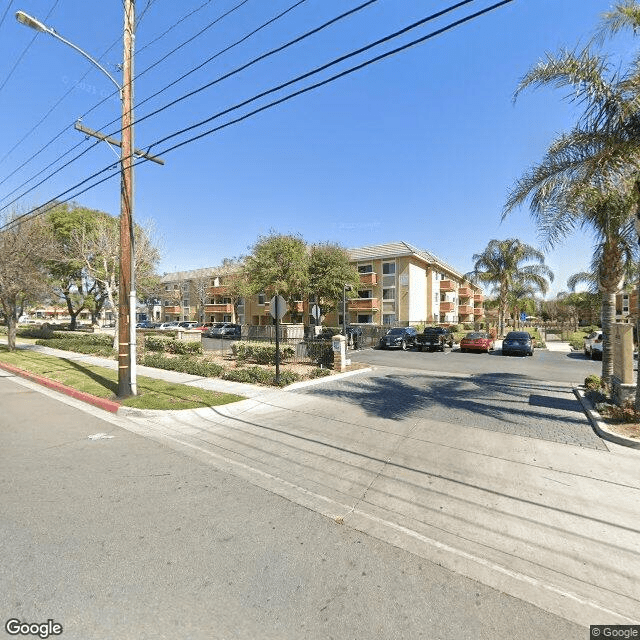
x: 26, y: 247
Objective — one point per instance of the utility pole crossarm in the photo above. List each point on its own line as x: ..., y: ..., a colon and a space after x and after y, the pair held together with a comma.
x: 101, y: 136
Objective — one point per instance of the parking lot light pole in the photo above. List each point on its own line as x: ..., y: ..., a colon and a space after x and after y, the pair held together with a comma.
x: 127, y: 385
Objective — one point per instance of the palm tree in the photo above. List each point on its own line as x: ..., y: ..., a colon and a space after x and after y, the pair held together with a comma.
x: 504, y: 264
x: 589, y: 177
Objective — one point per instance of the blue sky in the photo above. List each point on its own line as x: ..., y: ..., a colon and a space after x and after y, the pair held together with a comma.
x: 421, y: 147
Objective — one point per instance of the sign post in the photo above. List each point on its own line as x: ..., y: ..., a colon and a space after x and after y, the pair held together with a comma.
x: 277, y: 309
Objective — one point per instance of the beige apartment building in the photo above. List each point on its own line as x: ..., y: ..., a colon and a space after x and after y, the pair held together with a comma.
x: 400, y: 284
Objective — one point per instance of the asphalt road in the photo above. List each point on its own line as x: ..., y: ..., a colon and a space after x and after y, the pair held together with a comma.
x: 126, y: 537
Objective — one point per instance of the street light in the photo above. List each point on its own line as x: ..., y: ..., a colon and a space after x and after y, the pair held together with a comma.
x: 126, y: 295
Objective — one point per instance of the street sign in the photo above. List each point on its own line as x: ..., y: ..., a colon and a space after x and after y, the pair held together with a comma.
x: 523, y: 317
x: 315, y: 312
x: 277, y: 307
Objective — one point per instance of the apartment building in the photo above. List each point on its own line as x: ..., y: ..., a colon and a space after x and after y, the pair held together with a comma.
x: 399, y: 284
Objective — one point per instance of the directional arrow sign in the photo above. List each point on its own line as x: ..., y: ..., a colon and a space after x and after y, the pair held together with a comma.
x: 315, y: 312
x: 277, y: 307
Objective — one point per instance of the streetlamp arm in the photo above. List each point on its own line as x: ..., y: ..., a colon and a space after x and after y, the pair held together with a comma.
x: 34, y: 23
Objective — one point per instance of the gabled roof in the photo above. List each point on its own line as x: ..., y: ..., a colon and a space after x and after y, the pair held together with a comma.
x: 397, y: 249
x: 208, y: 272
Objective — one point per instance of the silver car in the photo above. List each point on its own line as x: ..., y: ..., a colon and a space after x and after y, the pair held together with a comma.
x: 593, y: 345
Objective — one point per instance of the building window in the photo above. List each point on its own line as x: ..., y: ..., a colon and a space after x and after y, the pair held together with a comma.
x: 388, y: 268
x: 389, y: 294
x: 388, y: 318
x: 166, y: 287
x: 261, y: 298
x: 185, y: 303
x: 365, y: 294
x: 436, y: 297
x: 365, y: 319
x: 365, y: 268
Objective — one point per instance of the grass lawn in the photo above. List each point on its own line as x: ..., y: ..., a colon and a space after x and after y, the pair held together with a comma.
x: 101, y: 382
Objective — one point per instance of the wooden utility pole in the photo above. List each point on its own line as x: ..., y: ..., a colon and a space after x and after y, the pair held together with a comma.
x: 126, y: 295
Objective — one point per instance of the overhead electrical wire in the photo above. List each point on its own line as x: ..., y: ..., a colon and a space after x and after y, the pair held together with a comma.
x: 254, y: 61
x: 56, y: 199
x: 6, y: 11
x: 110, y: 95
x: 24, y: 52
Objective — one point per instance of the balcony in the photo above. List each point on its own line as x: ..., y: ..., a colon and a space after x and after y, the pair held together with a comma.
x: 478, y: 311
x: 173, y: 309
x: 465, y: 292
x: 218, y: 308
x: 363, y: 304
x: 368, y: 278
x: 447, y: 306
x: 478, y: 297
x: 221, y: 290
x: 465, y: 309
x: 447, y: 285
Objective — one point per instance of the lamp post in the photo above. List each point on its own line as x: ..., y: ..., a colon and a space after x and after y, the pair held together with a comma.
x: 126, y: 293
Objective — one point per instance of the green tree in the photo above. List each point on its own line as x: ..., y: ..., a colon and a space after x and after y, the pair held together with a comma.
x: 510, y: 265
x: 277, y: 264
x: 26, y: 248
x: 329, y: 272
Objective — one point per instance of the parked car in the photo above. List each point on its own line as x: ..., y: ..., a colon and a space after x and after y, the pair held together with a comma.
x: 223, y: 330
x: 146, y: 324
x: 433, y: 338
x: 168, y: 326
x: 477, y: 341
x: 594, y: 338
x: 399, y: 338
x: 517, y: 342
x: 187, y: 324
x: 595, y: 346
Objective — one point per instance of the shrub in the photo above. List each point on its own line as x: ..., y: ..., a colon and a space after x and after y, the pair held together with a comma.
x: 287, y: 377
x: 183, y: 364
x: 260, y: 352
x: 320, y: 352
x: 593, y: 382
x: 156, y: 343
x: 320, y: 373
x: 254, y: 375
x: 78, y: 346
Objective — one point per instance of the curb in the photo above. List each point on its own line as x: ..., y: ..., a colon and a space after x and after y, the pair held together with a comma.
x: 599, y: 426
x: 101, y: 403
x: 330, y: 378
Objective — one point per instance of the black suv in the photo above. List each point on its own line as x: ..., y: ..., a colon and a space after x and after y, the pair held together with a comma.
x: 399, y: 338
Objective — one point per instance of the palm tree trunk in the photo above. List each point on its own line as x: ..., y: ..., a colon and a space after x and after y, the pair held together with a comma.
x: 608, y: 318
x: 637, y: 336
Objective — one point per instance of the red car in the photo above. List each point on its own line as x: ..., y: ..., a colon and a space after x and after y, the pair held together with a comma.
x: 477, y: 341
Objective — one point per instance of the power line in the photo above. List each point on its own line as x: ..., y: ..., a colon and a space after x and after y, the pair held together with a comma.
x: 237, y: 70
x: 366, y: 63
x: 44, y: 117
x: 6, y: 11
x: 24, y: 52
x: 33, y: 156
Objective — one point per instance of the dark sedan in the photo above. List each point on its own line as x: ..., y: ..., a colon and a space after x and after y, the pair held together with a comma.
x: 518, y: 343
x: 399, y: 338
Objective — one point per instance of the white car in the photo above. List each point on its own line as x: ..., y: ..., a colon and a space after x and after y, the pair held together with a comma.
x: 593, y: 345
x: 169, y: 326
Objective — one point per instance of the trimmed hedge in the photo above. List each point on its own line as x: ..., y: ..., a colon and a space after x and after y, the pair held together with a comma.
x: 183, y: 364
x: 260, y: 352
x: 171, y: 345
x: 78, y: 346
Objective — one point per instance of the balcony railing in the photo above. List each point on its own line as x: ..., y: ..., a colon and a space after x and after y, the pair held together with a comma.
x: 368, y: 278
x: 447, y: 285
x: 363, y: 304
x: 219, y: 290
x: 218, y: 308
x: 478, y: 311
x: 465, y: 309
x: 478, y: 297
x: 447, y: 306
x: 172, y: 309
x: 465, y: 292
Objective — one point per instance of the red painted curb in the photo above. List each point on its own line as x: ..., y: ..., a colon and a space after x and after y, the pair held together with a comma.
x: 101, y: 403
